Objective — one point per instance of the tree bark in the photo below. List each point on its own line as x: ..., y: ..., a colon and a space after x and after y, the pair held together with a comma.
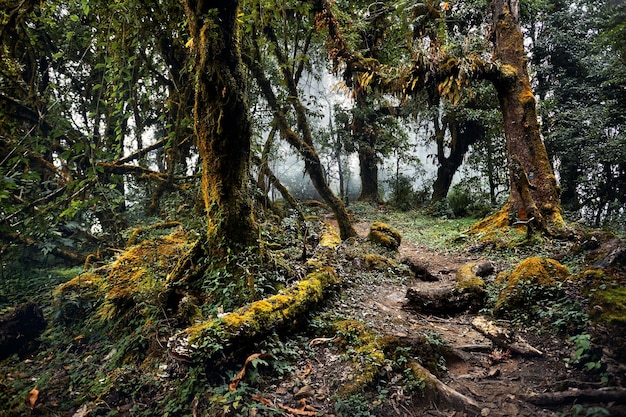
x: 534, y: 190
x: 368, y: 171
x: 222, y: 124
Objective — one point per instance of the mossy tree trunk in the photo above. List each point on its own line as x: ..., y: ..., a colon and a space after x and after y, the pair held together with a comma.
x: 222, y: 124
x: 534, y: 191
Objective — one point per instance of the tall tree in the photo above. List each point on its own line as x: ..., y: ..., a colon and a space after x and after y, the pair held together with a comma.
x: 222, y: 123
x: 534, y: 191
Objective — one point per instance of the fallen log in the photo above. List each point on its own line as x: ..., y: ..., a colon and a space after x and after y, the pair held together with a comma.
x: 201, y: 343
x: 603, y: 395
x: 503, y: 338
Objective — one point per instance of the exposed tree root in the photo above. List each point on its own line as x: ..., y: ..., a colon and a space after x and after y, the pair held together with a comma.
x: 605, y: 395
x: 503, y: 338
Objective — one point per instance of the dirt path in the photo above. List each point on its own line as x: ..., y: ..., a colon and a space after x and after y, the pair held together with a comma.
x: 496, y: 380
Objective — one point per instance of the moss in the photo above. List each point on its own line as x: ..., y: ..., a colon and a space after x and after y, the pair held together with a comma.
x: 330, y: 238
x: 467, y: 280
x: 368, y: 353
x: 609, y: 306
x: 255, y: 319
x: 374, y: 261
x: 384, y: 235
x: 137, y: 274
x: 490, y: 226
x: 531, y: 272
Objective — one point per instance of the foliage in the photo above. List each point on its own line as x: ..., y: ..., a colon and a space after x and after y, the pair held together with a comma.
x: 467, y: 199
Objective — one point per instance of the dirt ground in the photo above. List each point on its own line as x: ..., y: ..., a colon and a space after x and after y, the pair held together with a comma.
x: 498, y: 381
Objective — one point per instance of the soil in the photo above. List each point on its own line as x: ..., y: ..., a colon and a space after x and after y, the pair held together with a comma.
x: 497, y: 380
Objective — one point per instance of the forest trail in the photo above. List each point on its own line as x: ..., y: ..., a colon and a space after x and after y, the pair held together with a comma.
x: 497, y: 380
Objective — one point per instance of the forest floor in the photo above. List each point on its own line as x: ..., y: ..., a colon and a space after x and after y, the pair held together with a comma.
x: 324, y: 365
x: 497, y: 380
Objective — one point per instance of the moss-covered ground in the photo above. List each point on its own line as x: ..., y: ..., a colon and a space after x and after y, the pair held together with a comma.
x: 286, y: 342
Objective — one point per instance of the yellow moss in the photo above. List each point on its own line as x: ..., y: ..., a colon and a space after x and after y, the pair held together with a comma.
x: 385, y: 235
x: 466, y: 279
x: 534, y: 271
x: 375, y: 261
x: 330, y: 238
x: 508, y: 71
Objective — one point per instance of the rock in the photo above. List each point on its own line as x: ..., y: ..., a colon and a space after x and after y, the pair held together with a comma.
x: 529, y: 282
x: 483, y: 268
x: 20, y: 328
x: 384, y: 235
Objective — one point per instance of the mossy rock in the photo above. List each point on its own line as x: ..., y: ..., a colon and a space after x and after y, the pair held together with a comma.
x: 527, y: 283
x: 608, y: 313
x: 375, y: 262
x: 609, y: 306
x: 385, y: 235
x: 467, y: 280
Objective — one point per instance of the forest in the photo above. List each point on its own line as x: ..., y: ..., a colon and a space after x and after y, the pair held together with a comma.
x: 312, y: 208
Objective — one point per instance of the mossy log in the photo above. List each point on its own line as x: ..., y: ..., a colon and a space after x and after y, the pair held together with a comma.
x: 201, y: 343
x: 468, y: 294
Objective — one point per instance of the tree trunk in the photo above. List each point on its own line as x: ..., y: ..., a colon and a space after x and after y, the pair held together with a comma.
x: 534, y: 191
x: 463, y: 134
x: 368, y: 170
x: 222, y: 124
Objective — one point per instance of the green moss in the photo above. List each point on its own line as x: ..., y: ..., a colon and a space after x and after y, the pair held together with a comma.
x: 609, y: 306
x: 535, y: 272
x: 384, y: 235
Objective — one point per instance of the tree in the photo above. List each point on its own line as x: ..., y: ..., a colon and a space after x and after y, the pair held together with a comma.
x: 221, y: 122
x: 579, y: 88
x: 300, y: 139
x: 534, y: 191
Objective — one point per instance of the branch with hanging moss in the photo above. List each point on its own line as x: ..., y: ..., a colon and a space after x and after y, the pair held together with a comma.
x: 200, y: 344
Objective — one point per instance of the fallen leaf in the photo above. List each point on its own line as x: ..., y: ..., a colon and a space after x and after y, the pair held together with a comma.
x: 233, y: 385
x: 32, y: 397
